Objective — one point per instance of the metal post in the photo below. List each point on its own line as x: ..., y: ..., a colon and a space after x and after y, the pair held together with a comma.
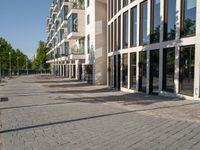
x: 0, y: 68
x: 10, y: 63
x: 17, y: 65
x: 27, y: 66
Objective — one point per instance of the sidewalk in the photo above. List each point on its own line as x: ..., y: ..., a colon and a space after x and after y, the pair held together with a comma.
x: 45, y: 113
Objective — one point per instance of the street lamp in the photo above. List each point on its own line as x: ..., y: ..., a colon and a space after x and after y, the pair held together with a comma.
x: 18, y: 65
x: 10, y: 63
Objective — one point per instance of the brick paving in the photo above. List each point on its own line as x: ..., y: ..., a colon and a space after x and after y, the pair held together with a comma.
x: 45, y: 113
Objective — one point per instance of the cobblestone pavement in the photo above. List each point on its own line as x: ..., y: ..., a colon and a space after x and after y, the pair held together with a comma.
x: 45, y: 113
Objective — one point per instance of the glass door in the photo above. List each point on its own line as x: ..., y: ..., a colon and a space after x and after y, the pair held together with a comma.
x: 186, y: 78
x: 142, y: 71
x: 154, y: 71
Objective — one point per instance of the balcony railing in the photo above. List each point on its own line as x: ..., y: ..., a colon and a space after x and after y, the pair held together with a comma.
x: 76, y: 51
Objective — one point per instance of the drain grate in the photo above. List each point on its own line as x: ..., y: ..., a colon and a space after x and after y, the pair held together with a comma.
x: 3, y: 99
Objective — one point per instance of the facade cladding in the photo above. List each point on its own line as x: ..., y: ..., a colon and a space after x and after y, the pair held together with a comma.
x: 153, y: 46
x: 76, y: 38
x: 148, y: 46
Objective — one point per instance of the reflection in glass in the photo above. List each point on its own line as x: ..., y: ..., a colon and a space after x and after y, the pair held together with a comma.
x: 154, y: 71
x: 143, y: 34
x: 125, y: 29
x: 170, y: 20
x: 189, y: 17
x: 125, y: 70
x: 168, y: 69
x: 133, y: 27
x: 142, y: 71
x: 133, y: 71
x: 187, y: 70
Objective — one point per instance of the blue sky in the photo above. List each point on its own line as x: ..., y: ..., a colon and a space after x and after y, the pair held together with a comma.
x: 23, y: 23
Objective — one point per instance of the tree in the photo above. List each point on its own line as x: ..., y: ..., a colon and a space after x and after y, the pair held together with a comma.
x: 39, y: 62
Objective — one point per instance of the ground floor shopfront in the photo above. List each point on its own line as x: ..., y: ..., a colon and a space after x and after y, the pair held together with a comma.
x: 167, y: 71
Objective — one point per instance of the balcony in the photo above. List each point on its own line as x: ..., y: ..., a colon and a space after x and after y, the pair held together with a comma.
x: 76, y: 54
x: 76, y: 24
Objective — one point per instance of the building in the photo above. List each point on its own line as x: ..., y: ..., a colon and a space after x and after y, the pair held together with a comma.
x: 77, y: 39
x: 153, y: 46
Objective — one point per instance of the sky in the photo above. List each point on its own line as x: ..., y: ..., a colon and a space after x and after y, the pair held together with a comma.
x: 23, y: 23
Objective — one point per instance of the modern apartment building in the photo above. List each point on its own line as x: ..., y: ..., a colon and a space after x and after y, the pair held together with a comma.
x: 153, y: 46
x: 77, y: 39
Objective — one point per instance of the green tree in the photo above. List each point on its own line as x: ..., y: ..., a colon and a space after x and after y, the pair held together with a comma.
x: 39, y: 62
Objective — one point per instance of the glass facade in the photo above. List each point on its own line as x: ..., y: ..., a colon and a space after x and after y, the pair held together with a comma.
x: 168, y: 69
x: 125, y: 70
x: 125, y: 29
x: 170, y: 19
x: 154, y: 71
x: 73, y: 23
x: 142, y: 71
x: 188, y: 17
x: 119, y: 32
x: 125, y: 2
x: 133, y: 65
x: 155, y: 21
x: 143, y: 23
x: 186, y: 78
x: 133, y: 33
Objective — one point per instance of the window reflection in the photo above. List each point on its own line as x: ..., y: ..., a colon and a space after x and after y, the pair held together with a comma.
x: 143, y: 17
x: 189, y: 17
x: 133, y: 71
x: 125, y: 70
x: 125, y: 29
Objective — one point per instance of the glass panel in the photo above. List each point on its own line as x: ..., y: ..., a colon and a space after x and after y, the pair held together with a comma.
x: 143, y: 18
x: 125, y: 2
x: 73, y: 23
x: 119, y: 33
x: 125, y: 29
x: 170, y: 20
x: 168, y: 69
x: 133, y: 27
x: 133, y: 71
x: 115, y: 34
x: 155, y: 20
x: 125, y: 70
x: 187, y: 70
x: 142, y: 71
x: 189, y: 17
x: 154, y: 71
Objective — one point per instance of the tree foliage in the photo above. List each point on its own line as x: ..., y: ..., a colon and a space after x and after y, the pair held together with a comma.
x: 39, y: 62
x: 18, y: 58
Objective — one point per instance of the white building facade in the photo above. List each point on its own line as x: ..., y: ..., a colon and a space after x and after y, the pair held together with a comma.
x: 153, y: 46
x: 76, y: 34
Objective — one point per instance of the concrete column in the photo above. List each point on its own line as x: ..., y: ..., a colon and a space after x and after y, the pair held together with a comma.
x: 129, y: 71
x: 77, y: 69
x: 137, y: 71
x: 176, y: 78
x: 197, y: 54
x: 70, y: 70
x: 160, y: 70
x: 63, y: 68
x: 148, y: 72
x: 60, y: 70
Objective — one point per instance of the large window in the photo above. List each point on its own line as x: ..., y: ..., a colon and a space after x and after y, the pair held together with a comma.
x: 143, y: 23
x: 155, y: 21
x: 170, y: 20
x: 125, y: 2
x: 133, y: 32
x: 168, y: 69
x: 142, y: 71
x: 119, y: 32
x: 186, y: 78
x: 111, y: 41
x: 119, y: 5
x: 125, y: 29
x: 133, y: 71
x: 88, y: 43
x: 125, y: 70
x: 109, y: 38
x: 73, y: 23
x: 115, y: 35
x: 188, y: 17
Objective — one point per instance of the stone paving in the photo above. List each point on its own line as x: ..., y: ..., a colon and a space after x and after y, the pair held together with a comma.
x: 45, y: 113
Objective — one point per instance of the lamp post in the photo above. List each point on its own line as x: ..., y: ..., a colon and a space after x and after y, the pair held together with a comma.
x: 10, y: 63
x: 27, y: 66
x: 18, y: 65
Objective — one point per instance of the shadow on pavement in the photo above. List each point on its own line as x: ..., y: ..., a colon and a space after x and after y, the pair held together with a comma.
x: 88, y: 118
